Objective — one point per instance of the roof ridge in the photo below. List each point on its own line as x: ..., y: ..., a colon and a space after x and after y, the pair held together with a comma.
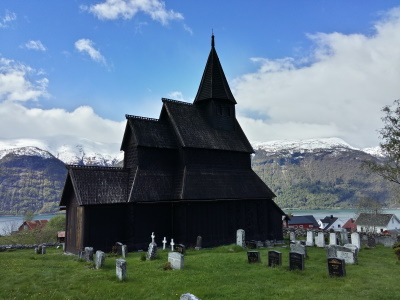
x: 140, y: 118
x: 175, y: 101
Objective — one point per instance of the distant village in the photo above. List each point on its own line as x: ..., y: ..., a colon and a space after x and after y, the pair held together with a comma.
x: 365, y: 222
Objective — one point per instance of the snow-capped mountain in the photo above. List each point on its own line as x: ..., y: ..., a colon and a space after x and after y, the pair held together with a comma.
x: 72, y: 150
x: 69, y: 150
x: 311, y: 145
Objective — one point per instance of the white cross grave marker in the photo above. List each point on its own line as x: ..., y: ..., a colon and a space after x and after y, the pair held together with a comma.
x: 172, y: 244
x: 164, y: 242
x: 152, y: 237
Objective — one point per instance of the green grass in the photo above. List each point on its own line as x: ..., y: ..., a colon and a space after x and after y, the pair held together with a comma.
x: 221, y: 273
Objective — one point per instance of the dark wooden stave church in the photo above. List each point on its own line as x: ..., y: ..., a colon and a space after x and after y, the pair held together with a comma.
x: 185, y: 174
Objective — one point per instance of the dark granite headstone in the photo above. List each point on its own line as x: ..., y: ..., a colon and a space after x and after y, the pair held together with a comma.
x: 336, y: 267
x: 253, y: 257
x: 296, y: 261
x: 371, y: 242
x: 274, y: 258
x: 251, y: 244
x: 180, y: 248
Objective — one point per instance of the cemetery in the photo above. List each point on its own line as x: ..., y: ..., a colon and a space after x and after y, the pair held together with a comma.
x: 234, y: 271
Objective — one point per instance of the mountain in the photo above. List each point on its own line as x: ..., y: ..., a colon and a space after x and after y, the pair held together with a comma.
x: 308, y: 174
x: 320, y: 173
x: 32, y: 172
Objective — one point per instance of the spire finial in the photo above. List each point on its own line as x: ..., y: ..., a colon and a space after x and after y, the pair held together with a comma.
x: 212, y: 39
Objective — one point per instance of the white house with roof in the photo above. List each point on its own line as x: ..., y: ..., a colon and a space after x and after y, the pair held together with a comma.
x: 377, y: 222
x: 330, y: 222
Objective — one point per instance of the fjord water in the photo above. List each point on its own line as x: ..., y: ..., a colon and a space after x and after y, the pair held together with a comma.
x: 7, y: 222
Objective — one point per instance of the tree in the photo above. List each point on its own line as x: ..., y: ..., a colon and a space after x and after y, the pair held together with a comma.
x: 389, y: 168
x: 57, y: 223
x: 368, y: 205
x: 29, y: 216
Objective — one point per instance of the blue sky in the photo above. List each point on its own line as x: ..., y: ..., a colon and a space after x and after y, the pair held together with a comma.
x: 298, y: 69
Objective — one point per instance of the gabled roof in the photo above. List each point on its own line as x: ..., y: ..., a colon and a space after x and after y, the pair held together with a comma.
x: 213, y: 84
x: 365, y: 219
x: 194, y: 131
x: 32, y: 225
x: 328, y: 220
x: 350, y: 224
x: 149, y: 132
x: 96, y: 185
x: 297, y: 220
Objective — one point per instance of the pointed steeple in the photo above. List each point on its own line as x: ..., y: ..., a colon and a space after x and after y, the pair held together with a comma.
x: 213, y: 84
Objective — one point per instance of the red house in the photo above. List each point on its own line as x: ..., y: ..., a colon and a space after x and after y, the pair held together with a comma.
x: 32, y: 225
x: 308, y: 222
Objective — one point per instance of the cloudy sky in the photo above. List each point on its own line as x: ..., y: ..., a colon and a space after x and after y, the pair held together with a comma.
x: 299, y: 69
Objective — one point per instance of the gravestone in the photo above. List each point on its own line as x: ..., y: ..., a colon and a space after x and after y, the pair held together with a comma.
x: 36, y: 250
x: 371, y: 242
x: 172, y: 244
x: 296, y: 261
x: 188, y: 296
x: 251, y: 244
x: 164, y: 242
x: 320, y: 240
x: 348, y: 252
x: 120, y: 268
x: 88, y: 254
x: 299, y: 248
x: 336, y: 267
x: 253, y: 257
x: 199, y: 242
x: 124, y: 251
x: 118, y: 248
x: 364, y: 240
x: 269, y: 244
x: 310, y: 238
x: 151, y: 251
x: 180, y: 248
x: 344, y: 237
x: 274, y: 258
x: 43, y: 249
x: 355, y: 239
x: 100, y: 258
x: 240, y: 238
x: 81, y: 255
x: 332, y: 238
x: 292, y: 236
x: 176, y: 260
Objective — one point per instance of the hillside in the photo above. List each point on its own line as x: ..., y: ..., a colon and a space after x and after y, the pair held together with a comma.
x: 319, y: 174
x: 313, y: 174
x: 30, y: 179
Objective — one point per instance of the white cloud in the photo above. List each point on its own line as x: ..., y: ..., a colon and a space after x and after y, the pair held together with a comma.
x: 35, y: 45
x: 18, y: 83
x: 338, y: 90
x: 176, y: 96
x: 7, y: 18
x: 87, y: 46
x: 17, y: 121
x: 127, y: 9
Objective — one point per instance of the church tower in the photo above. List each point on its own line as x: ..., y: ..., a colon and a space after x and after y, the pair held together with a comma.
x: 214, y: 97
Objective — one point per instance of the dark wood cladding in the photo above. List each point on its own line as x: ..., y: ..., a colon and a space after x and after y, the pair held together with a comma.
x: 185, y: 174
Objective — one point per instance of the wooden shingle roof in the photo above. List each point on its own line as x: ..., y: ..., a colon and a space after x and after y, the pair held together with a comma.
x: 194, y: 131
x: 365, y: 219
x: 213, y: 84
x: 97, y: 185
x: 150, y: 132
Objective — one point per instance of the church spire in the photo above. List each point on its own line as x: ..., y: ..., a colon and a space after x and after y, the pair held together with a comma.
x: 213, y: 84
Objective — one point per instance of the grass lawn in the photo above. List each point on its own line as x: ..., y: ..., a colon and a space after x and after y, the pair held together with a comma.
x: 221, y: 273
